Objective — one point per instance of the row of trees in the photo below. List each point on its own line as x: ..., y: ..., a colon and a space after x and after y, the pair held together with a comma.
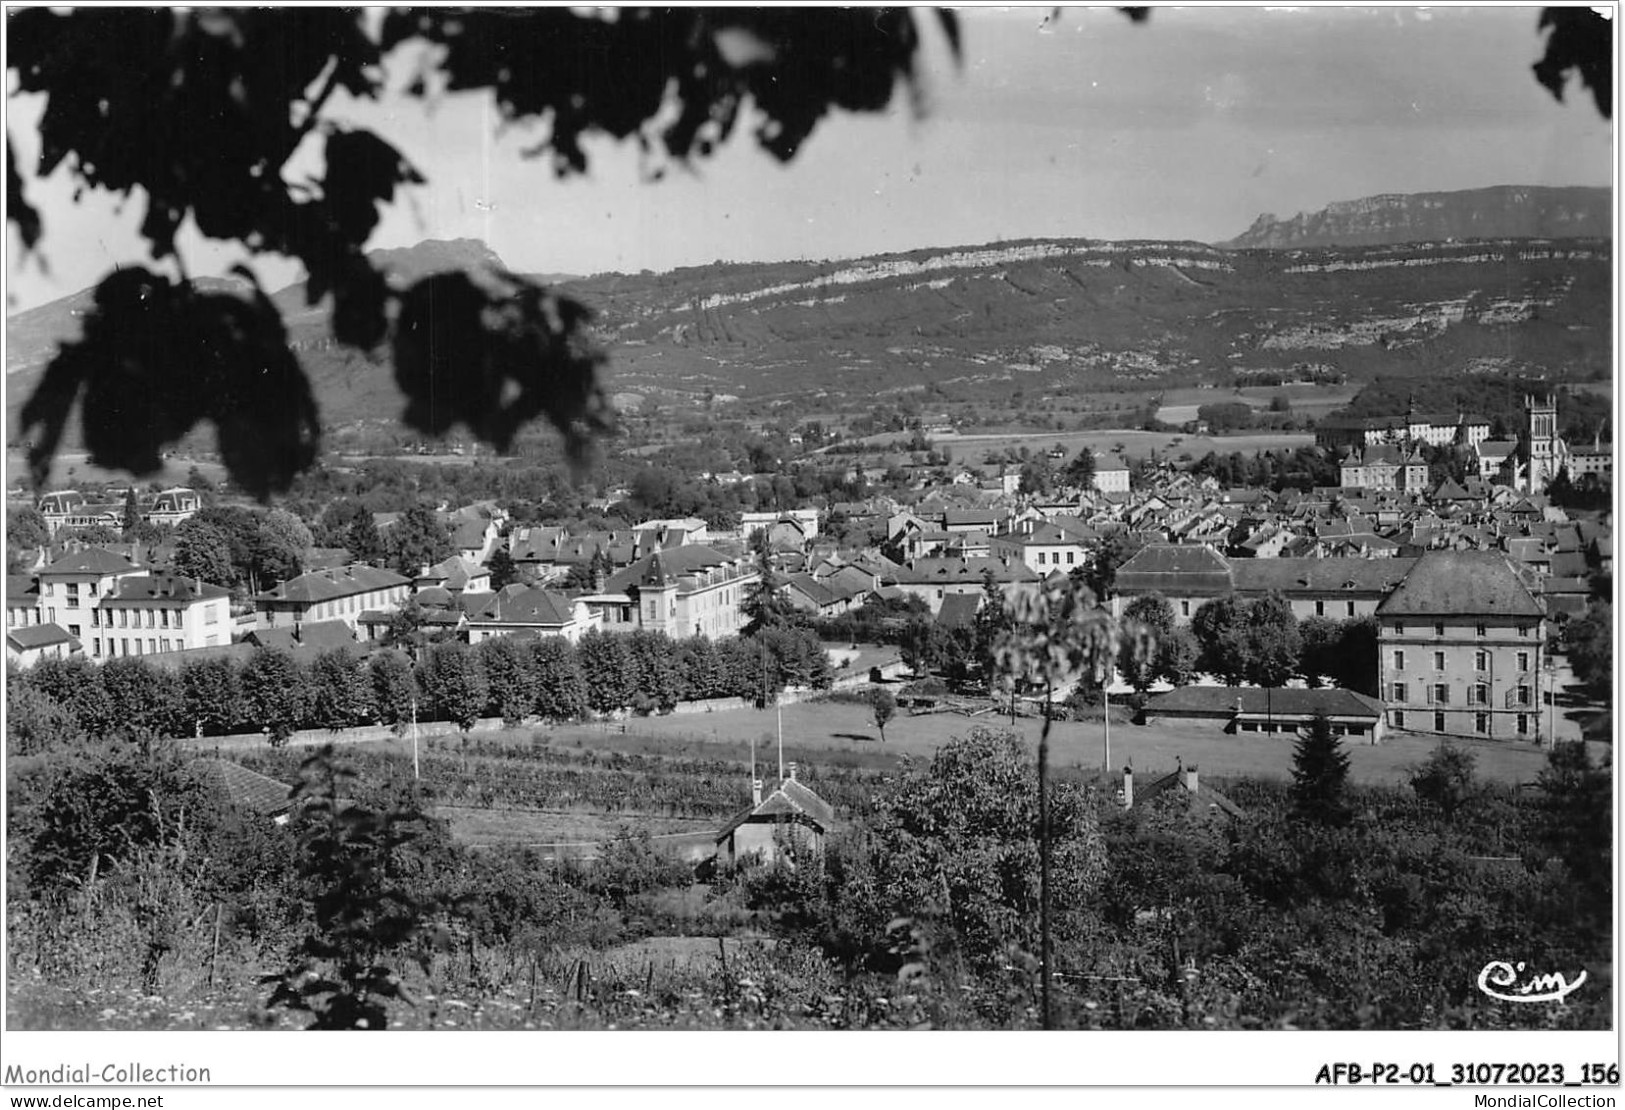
x: 59, y: 702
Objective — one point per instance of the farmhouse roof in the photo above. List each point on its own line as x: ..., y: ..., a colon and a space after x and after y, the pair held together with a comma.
x: 246, y: 789
x: 790, y: 801
x: 1204, y: 795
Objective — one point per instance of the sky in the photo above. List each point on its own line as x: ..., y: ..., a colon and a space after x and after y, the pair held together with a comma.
x: 1076, y: 124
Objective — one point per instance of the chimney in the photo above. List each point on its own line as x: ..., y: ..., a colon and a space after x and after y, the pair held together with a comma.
x: 792, y: 770
x: 755, y: 791
x: 1190, y: 778
x: 1128, y: 787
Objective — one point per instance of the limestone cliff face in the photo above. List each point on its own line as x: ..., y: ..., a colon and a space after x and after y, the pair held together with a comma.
x: 1502, y: 212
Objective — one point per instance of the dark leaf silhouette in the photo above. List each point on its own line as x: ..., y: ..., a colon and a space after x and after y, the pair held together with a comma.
x: 18, y: 210
x: 615, y: 75
x: 494, y: 354
x: 1581, y: 40
x: 157, y: 357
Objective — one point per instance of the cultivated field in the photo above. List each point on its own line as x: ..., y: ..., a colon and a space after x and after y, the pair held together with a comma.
x: 832, y: 733
x: 1136, y: 444
x: 1313, y: 401
x: 74, y: 468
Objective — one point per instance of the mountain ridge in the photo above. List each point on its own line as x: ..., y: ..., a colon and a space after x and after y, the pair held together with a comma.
x: 1047, y: 316
x: 1495, y: 212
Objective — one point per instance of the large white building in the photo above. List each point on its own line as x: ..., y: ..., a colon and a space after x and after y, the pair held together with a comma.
x: 1460, y: 643
x: 338, y: 594
x: 691, y: 590
x: 106, y: 605
x: 147, y: 614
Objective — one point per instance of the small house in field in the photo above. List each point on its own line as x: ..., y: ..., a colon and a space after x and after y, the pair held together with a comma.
x: 791, y: 816
x: 246, y: 790
x: 1182, y: 787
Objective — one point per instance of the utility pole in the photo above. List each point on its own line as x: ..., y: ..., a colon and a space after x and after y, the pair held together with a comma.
x: 415, y: 775
x: 1106, y: 719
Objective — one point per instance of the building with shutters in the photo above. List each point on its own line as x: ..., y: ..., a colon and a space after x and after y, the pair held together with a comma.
x: 1460, y: 644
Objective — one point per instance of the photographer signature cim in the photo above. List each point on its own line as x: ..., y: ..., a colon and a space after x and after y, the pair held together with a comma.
x: 1501, y: 980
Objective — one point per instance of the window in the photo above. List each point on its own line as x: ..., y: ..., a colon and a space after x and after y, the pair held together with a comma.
x: 1482, y: 631
x: 1523, y: 696
x: 1523, y: 724
x: 1400, y: 692
x: 96, y: 646
x: 1399, y: 660
x: 1399, y: 628
x: 1071, y: 557
x: 1350, y: 608
x: 1441, y: 693
x: 1481, y: 722
x: 1184, y: 608
x: 1399, y: 718
x: 163, y: 618
x: 1481, y: 694
x: 1438, y: 628
x: 1438, y: 660
x: 152, y: 619
x: 1481, y: 660
x: 1438, y: 722
x: 1040, y: 558
x: 1523, y: 661
x: 1320, y: 608
x: 152, y: 645
x: 73, y: 630
x: 73, y: 593
x: 1523, y: 630
x: 124, y: 618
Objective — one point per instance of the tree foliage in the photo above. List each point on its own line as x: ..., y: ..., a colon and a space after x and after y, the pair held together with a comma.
x: 1445, y: 779
x: 416, y: 540
x: 1320, y: 774
x: 884, y: 707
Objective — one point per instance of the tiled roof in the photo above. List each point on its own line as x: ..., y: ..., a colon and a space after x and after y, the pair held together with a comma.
x: 163, y: 589
x: 1204, y: 796
x: 673, y: 563
x: 247, y: 789
x: 1320, y: 576
x: 959, y: 610
x: 790, y: 800
x: 1286, y: 700
x: 517, y: 604
x: 1175, y: 569
x: 926, y: 572
x: 325, y: 585
x: 1478, y: 583
x: 32, y: 636
x: 92, y: 560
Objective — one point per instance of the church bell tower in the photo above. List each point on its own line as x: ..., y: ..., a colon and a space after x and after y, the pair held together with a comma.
x: 1546, y: 451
